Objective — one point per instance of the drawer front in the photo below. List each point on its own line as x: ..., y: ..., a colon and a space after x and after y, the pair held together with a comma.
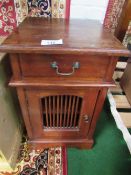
x: 65, y: 66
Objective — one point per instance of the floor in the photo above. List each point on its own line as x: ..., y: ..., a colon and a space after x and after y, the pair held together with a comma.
x: 109, y: 155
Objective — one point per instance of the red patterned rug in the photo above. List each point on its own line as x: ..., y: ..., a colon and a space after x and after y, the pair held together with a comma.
x: 127, y: 38
x: 7, y: 17
x: 113, y: 13
x: 13, y: 12
x: 51, y: 161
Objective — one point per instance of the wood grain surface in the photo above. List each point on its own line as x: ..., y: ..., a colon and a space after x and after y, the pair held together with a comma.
x: 79, y: 37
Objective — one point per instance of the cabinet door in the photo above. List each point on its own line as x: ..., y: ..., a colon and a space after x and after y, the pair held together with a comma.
x: 61, y: 113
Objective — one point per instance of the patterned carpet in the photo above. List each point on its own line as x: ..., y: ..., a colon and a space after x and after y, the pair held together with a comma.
x: 13, y: 12
x: 127, y: 38
x: 113, y: 13
x: 112, y: 17
x: 51, y: 161
x: 7, y: 17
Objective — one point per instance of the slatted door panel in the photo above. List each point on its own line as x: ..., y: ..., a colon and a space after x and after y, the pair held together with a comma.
x: 55, y: 114
x: 61, y: 111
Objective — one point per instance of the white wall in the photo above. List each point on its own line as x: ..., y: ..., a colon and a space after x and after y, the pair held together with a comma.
x: 89, y: 9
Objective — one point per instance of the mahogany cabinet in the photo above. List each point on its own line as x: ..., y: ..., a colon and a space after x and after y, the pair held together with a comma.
x: 62, y: 88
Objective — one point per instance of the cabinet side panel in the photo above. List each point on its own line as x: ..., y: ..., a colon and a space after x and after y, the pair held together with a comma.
x: 98, y: 108
x: 24, y: 108
x: 14, y: 59
x: 111, y: 68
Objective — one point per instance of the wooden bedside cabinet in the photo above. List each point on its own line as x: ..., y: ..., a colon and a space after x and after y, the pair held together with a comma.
x: 62, y: 88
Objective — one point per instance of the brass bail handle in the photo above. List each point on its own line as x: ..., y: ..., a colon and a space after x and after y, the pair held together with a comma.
x: 54, y: 65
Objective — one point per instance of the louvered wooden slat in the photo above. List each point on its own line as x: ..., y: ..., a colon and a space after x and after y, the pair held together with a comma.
x: 61, y: 109
x: 50, y: 115
x: 65, y: 111
x: 58, y: 111
x: 72, y: 111
x: 69, y: 111
x: 54, y: 111
x: 76, y: 110
x: 46, y: 110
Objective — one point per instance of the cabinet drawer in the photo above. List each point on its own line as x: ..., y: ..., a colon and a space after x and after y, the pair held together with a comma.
x: 64, y: 66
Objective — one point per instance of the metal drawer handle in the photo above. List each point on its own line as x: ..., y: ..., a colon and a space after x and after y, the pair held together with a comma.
x: 86, y: 118
x: 75, y: 65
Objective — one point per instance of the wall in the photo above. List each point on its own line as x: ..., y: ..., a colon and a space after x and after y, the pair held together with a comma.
x: 88, y: 9
x: 10, y: 135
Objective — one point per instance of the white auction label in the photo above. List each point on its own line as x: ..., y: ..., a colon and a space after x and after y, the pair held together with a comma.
x: 51, y: 42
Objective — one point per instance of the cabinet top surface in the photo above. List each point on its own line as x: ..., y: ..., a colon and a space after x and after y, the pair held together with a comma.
x: 79, y: 37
